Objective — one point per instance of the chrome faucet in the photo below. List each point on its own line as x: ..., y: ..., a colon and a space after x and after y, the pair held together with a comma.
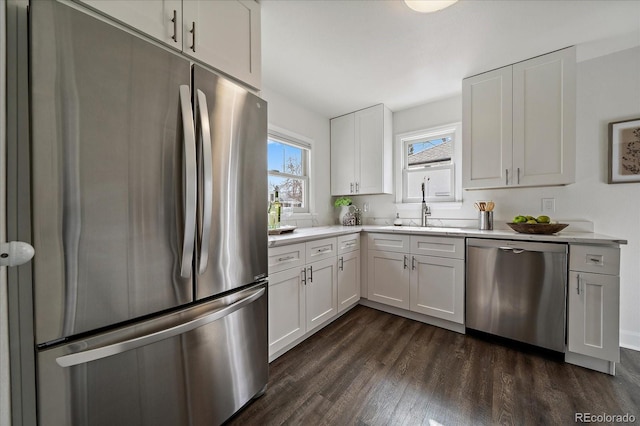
x: 426, y: 211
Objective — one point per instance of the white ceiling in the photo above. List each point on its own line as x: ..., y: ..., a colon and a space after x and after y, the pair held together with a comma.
x: 337, y: 56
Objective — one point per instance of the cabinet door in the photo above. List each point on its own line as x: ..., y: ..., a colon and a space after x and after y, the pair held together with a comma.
x: 225, y: 35
x: 321, y: 292
x: 388, y: 275
x: 348, y: 280
x: 487, y: 129
x: 372, y: 171
x: 437, y: 287
x: 343, y: 155
x: 544, y: 97
x: 593, y: 326
x: 287, y: 314
x: 160, y: 19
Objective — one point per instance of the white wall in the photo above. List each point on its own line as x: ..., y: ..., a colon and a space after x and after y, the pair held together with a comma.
x: 286, y: 114
x: 608, y: 89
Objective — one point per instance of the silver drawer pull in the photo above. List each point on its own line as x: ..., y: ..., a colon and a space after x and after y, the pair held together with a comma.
x: 322, y: 250
x: 282, y: 259
x: 595, y: 259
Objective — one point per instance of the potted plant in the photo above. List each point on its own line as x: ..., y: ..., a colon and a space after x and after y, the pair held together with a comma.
x: 343, y: 203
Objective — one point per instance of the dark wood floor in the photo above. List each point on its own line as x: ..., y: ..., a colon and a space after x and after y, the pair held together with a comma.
x: 374, y: 368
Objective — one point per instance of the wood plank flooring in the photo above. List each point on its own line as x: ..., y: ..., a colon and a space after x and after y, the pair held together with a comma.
x: 374, y: 368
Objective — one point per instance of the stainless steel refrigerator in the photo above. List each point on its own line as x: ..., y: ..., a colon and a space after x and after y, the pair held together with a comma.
x: 148, y: 181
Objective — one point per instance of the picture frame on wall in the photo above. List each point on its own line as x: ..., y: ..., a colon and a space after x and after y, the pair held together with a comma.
x: 624, y: 151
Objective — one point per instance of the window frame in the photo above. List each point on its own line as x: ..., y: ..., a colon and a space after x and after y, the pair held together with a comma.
x: 286, y: 137
x: 402, y: 171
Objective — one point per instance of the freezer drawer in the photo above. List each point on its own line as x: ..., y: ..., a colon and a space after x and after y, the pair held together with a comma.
x: 194, y: 367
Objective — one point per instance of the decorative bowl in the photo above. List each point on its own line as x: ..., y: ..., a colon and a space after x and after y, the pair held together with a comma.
x: 537, y: 228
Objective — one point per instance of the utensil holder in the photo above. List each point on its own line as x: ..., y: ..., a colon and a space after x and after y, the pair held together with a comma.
x: 485, y: 220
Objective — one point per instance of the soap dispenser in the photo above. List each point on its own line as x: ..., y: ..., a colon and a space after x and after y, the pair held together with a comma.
x: 397, y: 221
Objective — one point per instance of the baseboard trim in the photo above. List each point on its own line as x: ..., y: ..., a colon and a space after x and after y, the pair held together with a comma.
x: 438, y: 322
x: 607, y: 367
x: 630, y: 340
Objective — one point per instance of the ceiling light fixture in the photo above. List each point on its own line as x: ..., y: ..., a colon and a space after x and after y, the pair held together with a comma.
x: 428, y: 6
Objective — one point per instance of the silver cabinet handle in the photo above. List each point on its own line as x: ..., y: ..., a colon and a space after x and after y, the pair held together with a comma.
x: 405, y: 262
x: 206, y: 187
x: 193, y: 31
x: 175, y: 25
x: 413, y: 263
x: 310, y: 274
x: 351, y: 188
x: 190, y: 177
x: 580, y: 285
x: 341, y: 264
x: 325, y: 249
x: 304, y: 276
x: 518, y: 175
x: 128, y: 345
x: 282, y: 259
x: 357, y: 187
x: 506, y: 180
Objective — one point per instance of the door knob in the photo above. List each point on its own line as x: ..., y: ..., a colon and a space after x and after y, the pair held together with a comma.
x: 15, y: 253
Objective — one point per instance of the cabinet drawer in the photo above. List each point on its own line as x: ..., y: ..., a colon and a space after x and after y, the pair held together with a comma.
x: 596, y: 259
x: 321, y: 249
x: 438, y: 246
x: 388, y: 242
x: 286, y: 257
x: 348, y: 243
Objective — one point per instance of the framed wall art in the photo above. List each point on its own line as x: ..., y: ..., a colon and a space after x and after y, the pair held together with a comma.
x: 624, y: 151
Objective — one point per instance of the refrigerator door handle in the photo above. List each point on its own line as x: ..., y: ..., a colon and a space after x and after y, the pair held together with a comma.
x: 190, y: 181
x: 128, y: 345
x: 207, y: 180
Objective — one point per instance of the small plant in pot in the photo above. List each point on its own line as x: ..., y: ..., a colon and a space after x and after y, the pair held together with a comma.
x: 343, y: 204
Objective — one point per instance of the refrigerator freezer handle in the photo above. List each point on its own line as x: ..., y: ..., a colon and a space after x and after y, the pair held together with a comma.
x: 207, y: 180
x: 128, y: 345
x: 190, y: 181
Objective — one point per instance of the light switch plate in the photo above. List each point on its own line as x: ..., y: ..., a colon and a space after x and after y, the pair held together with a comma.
x: 548, y: 205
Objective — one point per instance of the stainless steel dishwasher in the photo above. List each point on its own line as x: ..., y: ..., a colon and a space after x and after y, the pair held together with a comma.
x: 517, y: 290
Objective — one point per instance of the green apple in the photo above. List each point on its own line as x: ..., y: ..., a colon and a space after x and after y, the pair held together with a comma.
x: 519, y: 219
x: 532, y: 222
x: 543, y: 219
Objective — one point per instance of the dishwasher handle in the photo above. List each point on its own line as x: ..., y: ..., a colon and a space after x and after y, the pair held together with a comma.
x: 511, y: 249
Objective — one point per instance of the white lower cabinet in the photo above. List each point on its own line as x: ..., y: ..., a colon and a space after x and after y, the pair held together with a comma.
x: 287, y: 315
x: 309, y: 284
x: 437, y: 287
x: 403, y: 275
x: 389, y: 276
x: 593, y: 325
x: 348, y: 280
x: 321, y: 292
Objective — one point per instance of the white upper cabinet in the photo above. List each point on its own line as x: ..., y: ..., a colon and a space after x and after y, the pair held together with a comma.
x: 486, y: 131
x: 224, y: 34
x: 519, y: 124
x: 361, y: 152
x: 160, y: 19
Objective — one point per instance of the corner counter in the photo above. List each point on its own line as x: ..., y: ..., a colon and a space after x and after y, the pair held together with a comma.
x: 308, y: 234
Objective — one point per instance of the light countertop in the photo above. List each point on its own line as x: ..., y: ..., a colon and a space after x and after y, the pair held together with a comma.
x: 308, y: 234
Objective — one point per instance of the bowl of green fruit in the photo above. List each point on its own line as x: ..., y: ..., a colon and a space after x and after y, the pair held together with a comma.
x: 535, y: 225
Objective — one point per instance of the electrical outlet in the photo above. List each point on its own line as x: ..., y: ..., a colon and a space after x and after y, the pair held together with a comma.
x: 548, y: 205
x: 365, y: 207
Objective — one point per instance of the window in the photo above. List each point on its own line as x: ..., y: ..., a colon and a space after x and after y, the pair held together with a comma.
x: 288, y: 169
x: 428, y: 157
